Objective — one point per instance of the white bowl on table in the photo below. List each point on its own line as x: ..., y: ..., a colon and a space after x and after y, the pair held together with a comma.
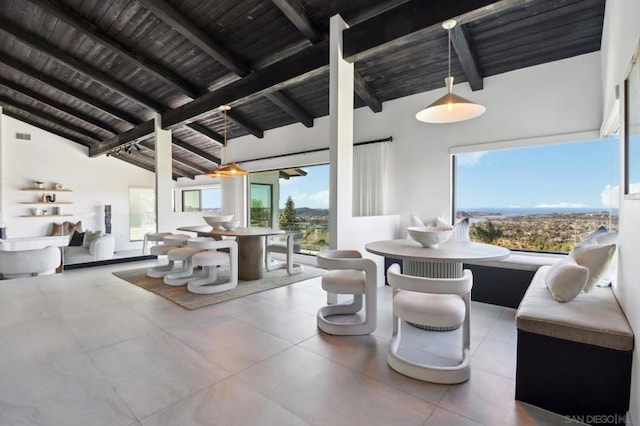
x: 216, y: 221
x: 430, y: 236
x: 231, y: 225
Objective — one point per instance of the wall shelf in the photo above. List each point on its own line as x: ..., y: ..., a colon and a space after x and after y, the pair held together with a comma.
x: 46, y: 215
x: 50, y: 204
x: 44, y: 208
x: 46, y: 190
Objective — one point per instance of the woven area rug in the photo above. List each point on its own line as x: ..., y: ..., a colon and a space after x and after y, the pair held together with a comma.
x: 180, y: 295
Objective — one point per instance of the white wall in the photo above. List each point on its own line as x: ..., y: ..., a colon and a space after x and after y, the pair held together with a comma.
x: 50, y: 158
x: 620, y: 39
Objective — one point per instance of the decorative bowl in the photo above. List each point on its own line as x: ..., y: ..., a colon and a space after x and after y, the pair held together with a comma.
x: 231, y: 225
x: 430, y: 236
x: 216, y: 220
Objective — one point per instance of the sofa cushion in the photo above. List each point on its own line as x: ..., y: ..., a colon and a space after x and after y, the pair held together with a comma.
x: 596, y: 257
x: 76, y: 239
x: 593, y: 318
x: 90, y: 236
x: 565, y: 280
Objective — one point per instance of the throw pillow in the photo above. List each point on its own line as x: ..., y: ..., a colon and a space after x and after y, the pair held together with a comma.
x: 566, y: 279
x: 90, y: 236
x: 591, y: 238
x: 72, y: 227
x: 415, y: 220
x: 460, y: 228
x: 597, y: 258
x: 610, y: 237
x: 57, y: 229
x: 76, y: 239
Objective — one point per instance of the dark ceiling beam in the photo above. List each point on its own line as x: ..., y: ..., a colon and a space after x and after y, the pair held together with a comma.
x: 241, y: 121
x: 73, y: 19
x: 57, y: 105
x: 290, y: 107
x: 211, y: 134
x: 47, y: 128
x: 467, y: 57
x: 299, y: 67
x: 302, y: 20
x: 41, y: 45
x: 299, y: 17
x: 186, y: 163
x: 406, y: 23
x: 197, y: 151
x: 69, y: 90
x: 131, y: 135
x: 48, y: 117
x: 163, y: 10
x: 365, y: 93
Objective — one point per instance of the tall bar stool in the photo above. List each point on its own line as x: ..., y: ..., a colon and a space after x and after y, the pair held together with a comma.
x: 287, y: 248
x: 432, y: 302
x: 210, y: 259
x: 349, y: 274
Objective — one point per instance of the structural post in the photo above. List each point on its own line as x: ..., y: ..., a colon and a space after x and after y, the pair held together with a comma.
x: 341, y: 134
x: 164, y: 181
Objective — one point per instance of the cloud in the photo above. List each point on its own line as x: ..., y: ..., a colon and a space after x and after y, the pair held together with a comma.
x: 560, y: 205
x: 610, y: 195
x: 321, y: 199
x: 469, y: 159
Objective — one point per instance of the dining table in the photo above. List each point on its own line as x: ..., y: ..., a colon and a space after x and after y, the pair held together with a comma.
x: 251, y: 241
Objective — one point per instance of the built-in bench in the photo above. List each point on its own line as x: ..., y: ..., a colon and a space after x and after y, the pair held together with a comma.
x: 504, y: 282
x: 574, y: 358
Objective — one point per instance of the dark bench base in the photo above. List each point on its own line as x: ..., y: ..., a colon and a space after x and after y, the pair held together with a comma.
x: 587, y: 383
x: 499, y: 286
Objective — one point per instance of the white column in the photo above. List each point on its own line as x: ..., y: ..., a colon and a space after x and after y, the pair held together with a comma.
x: 164, y: 176
x: 235, y: 198
x: 341, y: 135
x: 1, y: 168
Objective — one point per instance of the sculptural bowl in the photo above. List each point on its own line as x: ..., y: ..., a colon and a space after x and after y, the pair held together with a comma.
x: 430, y: 236
x: 216, y: 221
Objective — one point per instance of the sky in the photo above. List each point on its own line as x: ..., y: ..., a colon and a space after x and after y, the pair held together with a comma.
x: 568, y: 175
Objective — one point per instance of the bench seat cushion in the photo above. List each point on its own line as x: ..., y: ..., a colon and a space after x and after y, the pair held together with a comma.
x: 593, y: 318
x: 523, y: 261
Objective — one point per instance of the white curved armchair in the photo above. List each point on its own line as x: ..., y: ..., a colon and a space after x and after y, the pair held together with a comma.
x: 26, y: 263
x: 430, y: 301
x: 349, y: 274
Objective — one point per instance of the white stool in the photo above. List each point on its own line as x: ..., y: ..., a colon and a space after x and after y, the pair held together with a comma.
x: 351, y: 274
x: 180, y: 276
x: 152, y: 237
x: 161, y: 270
x: 210, y: 259
x: 287, y: 249
x: 437, y: 302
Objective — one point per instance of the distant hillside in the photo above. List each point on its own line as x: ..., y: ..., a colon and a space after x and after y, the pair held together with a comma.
x: 306, y: 211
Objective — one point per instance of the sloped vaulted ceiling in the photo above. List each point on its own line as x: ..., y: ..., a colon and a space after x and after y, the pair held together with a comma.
x: 96, y: 71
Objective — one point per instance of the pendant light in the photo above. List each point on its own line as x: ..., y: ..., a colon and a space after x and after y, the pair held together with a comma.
x: 450, y: 108
x: 226, y: 170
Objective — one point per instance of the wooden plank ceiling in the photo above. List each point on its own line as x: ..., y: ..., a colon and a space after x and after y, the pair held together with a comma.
x: 97, y: 71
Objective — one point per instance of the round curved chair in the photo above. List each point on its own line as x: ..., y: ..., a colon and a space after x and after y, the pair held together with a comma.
x: 151, y: 239
x: 349, y: 274
x: 440, y: 304
x: 27, y: 263
x: 287, y: 248
x: 180, y: 276
x: 210, y: 259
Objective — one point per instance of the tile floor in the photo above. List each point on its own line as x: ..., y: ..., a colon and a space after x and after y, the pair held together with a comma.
x: 86, y: 348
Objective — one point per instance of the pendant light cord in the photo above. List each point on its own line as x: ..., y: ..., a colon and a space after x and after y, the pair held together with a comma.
x: 449, y: 46
x: 224, y: 154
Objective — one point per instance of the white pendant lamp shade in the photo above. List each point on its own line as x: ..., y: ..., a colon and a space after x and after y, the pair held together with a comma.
x: 450, y: 108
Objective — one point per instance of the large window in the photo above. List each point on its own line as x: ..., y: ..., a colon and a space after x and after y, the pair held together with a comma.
x: 201, y: 200
x: 261, y: 205
x: 543, y: 198
x: 142, y: 216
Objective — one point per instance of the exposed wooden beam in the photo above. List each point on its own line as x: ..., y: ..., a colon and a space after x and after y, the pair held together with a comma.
x: 48, y: 117
x: 405, y: 23
x: 69, y: 90
x: 211, y: 134
x: 299, y: 17
x: 41, y: 45
x: 73, y: 19
x: 467, y: 57
x: 57, y: 105
x: 186, y: 163
x: 365, y: 93
x: 238, y: 120
x: 291, y: 108
x: 305, y: 64
x: 196, y: 151
x: 140, y: 131
x: 163, y: 10
x: 47, y: 128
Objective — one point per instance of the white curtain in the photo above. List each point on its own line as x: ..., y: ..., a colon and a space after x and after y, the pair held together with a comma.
x: 370, y: 179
